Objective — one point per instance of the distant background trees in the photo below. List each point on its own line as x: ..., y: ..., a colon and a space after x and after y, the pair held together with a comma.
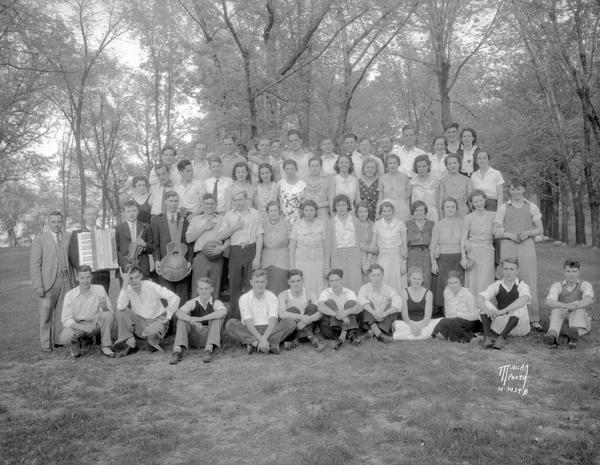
x: 91, y: 90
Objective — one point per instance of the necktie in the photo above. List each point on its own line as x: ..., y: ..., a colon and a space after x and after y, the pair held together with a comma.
x: 173, y: 228
x: 216, y: 190
x: 163, y: 206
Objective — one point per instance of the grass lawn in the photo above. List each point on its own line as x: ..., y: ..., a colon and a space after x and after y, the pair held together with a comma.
x: 428, y: 402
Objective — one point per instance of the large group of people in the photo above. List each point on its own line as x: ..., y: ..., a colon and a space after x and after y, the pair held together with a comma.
x: 393, y: 244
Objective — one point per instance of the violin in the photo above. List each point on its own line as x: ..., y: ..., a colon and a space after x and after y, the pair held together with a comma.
x: 174, y: 265
x: 135, y: 250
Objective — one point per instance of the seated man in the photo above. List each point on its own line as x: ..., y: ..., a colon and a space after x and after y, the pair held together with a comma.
x: 568, y: 301
x: 259, y: 329
x: 510, y: 316
x: 339, y: 308
x: 199, y: 323
x: 140, y: 311
x: 381, y: 305
x: 296, y: 305
x: 87, y: 311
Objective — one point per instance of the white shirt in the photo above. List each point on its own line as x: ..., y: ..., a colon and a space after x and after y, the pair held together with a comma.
x: 147, y: 303
x: 556, y: 289
x: 252, y: 226
x: 340, y: 299
x: 438, y: 167
x: 461, y: 305
x: 379, y: 299
x: 345, y: 234
x: 156, y: 195
x: 487, y: 183
x: 79, y: 306
x: 201, y: 170
x: 190, y: 195
x: 258, y: 310
x: 493, y: 289
x: 132, y: 229
x: 407, y: 159
x: 329, y: 164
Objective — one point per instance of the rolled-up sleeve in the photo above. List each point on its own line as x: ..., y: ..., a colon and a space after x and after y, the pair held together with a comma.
x: 491, y: 291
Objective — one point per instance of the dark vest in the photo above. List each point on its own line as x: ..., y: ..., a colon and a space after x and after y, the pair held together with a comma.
x: 505, y: 298
x: 567, y: 297
x: 199, y: 311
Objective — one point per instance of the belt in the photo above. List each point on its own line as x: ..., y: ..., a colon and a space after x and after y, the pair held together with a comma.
x: 418, y: 247
x: 245, y: 246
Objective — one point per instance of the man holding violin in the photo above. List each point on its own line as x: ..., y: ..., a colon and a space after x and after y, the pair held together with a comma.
x: 134, y: 240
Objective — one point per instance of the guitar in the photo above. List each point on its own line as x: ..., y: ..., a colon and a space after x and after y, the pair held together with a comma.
x: 174, y: 265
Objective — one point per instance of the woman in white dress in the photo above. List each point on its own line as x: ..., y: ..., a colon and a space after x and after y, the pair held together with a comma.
x: 394, y: 187
x: 424, y: 186
x: 389, y: 236
x: 344, y: 182
x: 290, y: 191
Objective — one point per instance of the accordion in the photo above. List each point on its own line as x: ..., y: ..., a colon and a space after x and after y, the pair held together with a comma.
x: 98, y: 249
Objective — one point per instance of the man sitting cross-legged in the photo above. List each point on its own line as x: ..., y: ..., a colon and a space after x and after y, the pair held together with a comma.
x: 87, y: 311
x: 569, y: 300
x: 381, y: 305
x: 295, y: 304
x: 140, y: 311
x: 199, y: 323
x: 259, y: 329
x: 510, y: 316
x: 339, y: 307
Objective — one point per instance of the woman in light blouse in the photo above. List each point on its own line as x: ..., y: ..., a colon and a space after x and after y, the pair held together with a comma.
x: 344, y: 182
x: 343, y: 243
x: 242, y: 181
x: 266, y: 189
x: 445, y: 249
x: 467, y: 153
x: 489, y: 181
x: 317, y: 187
x: 307, y: 249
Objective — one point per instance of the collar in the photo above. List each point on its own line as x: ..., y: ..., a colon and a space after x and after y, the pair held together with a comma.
x: 209, y: 302
x: 510, y: 201
x: 565, y: 283
x: 258, y: 298
x: 517, y: 282
x: 78, y: 291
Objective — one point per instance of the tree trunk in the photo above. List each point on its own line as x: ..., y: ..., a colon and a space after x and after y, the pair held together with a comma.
x: 564, y: 202
x: 579, y: 215
x: 443, y: 77
x: 80, y: 165
x: 588, y: 175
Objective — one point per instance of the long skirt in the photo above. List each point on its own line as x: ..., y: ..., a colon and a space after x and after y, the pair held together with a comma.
x: 276, y: 279
x: 401, y: 209
x: 402, y: 331
x: 421, y: 259
x: 478, y: 278
x: 348, y: 260
x: 314, y: 280
x: 390, y: 260
x: 446, y: 262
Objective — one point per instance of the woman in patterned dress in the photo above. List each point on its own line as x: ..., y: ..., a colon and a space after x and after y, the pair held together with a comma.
x: 290, y: 191
x: 275, y: 255
x: 266, y: 189
x: 418, y: 238
x: 368, y: 186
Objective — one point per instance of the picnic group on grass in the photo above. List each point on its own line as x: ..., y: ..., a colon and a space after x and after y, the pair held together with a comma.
x: 392, y: 244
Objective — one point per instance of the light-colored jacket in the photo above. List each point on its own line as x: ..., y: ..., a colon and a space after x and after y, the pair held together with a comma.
x: 44, y: 261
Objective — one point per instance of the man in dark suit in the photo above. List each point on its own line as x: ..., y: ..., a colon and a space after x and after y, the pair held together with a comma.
x: 90, y: 217
x: 133, y: 230
x: 164, y: 231
x: 51, y: 278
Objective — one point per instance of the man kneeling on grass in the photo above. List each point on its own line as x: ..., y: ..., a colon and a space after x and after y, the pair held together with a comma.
x: 296, y: 305
x: 510, y: 316
x: 86, y: 312
x: 141, y: 311
x: 339, y: 307
x: 381, y: 305
x: 259, y: 329
x: 568, y: 301
x: 199, y: 323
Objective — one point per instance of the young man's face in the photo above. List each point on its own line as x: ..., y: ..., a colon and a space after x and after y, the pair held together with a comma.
x: 376, y: 277
x: 204, y: 290
x: 229, y: 146
x: 386, y: 144
x: 172, y: 203
x: 168, y: 157
x: 187, y: 173
x: 135, y: 281
x: 215, y: 169
x: 209, y: 206
x: 55, y: 223
x: 131, y: 213
x: 85, y: 279
x: 200, y: 151
x: 349, y: 145
x: 259, y: 283
x: 295, y: 142
x: 510, y: 271
x: 239, y: 202
x: 408, y: 135
x: 296, y: 283
x: 516, y: 192
x: 451, y: 134
x: 162, y: 175
x: 571, y: 274
x: 335, y: 282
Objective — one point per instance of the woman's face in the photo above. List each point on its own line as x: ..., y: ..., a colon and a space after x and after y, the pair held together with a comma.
x: 370, y: 169
x: 467, y: 139
x: 263, y: 146
x: 362, y: 213
x: 439, y: 146
x: 141, y: 187
x: 419, y: 213
x: 483, y: 160
x: 387, y: 212
x: 275, y: 149
x: 341, y: 207
x: 290, y: 170
x: 453, y: 284
x: 315, y: 168
x: 327, y: 146
x: 241, y: 173
x: 478, y: 202
x: 449, y: 209
x: 364, y: 147
x: 416, y: 279
x: 273, y: 212
x: 343, y: 164
x: 422, y: 168
x: 392, y: 164
x: 265, y: 175
x: 309, y: 212
x: 452, y: 165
